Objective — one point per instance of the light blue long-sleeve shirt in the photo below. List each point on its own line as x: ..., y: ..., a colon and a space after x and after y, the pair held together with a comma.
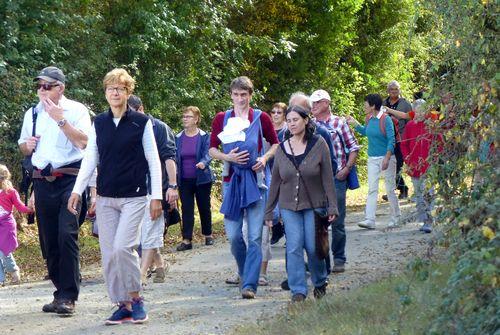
x: 378, y: 144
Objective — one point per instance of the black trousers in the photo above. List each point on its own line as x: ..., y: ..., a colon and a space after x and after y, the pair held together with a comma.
x: 400, y: 182
x: 188, y: 191
x: 59, y: 231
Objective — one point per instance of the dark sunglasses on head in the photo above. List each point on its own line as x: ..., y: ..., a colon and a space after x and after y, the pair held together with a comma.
x: 46, y: 87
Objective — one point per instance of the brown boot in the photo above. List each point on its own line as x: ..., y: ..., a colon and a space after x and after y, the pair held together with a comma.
x: 66, y: 307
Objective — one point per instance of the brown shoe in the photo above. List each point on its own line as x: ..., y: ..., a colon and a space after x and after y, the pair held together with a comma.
x: 51, y: 307
x: 159, y: 275
x: 247, y: 293
x: 65, y: 307
x: 298, y: 297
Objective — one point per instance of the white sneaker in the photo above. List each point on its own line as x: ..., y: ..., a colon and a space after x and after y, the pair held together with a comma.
x: 368, y: 224
x: 393, y: 223
x: 263, y: 280
x: 16, y: 277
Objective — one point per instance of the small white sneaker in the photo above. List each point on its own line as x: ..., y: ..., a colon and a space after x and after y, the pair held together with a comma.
x: 367, y: 224
x: 16, y: 277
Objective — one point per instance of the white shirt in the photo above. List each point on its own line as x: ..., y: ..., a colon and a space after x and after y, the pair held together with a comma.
x: 54, y: 147
x: 91, y: 160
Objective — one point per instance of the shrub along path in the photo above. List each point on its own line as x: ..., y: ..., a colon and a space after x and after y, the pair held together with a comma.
x: 195, y: 300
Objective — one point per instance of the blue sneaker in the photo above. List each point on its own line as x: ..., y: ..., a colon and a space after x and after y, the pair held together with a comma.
x: 139, y: 314
x: 426, y: 228
x: 121, y: 315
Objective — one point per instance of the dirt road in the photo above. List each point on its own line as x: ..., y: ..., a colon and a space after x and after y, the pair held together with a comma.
x: 195, y: 300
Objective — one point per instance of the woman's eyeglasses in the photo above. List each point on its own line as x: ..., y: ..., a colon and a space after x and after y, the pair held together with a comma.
x: 119, y: 90
x: 276, y: 112
x: 46, y: 87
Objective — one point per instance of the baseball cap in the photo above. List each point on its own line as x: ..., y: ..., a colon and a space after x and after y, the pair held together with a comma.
x: 320, y: 95
x: 51, y: 74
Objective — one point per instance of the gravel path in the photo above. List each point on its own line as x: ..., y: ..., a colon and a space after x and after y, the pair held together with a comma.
x: 195, y: 300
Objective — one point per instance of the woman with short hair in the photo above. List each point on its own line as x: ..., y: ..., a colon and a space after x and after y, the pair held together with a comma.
x: 195, y: 177
x: 122, y: 142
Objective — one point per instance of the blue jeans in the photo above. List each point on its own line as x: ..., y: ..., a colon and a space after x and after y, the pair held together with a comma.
x: 248, y: 258
x: 300, y: 235
x: 7, y: 264
x: 338, y: 226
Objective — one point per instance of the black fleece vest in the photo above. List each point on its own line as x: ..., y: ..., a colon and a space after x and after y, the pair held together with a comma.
x: 122, y: 164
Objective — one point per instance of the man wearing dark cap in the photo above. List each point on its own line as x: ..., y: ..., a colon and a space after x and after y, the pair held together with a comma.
x: 54, y: 134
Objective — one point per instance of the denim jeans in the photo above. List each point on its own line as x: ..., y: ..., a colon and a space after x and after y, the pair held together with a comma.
x: 300, y: 235
x: 7, y: 264
x: 423, y: 199
x: 248, y: 258
x: 338, y: 226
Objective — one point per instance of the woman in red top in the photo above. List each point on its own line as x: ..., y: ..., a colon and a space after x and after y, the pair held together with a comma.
x: 415, y: 147
x: 8, y: 235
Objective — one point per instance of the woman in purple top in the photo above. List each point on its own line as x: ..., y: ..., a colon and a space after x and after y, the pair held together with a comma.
x: 195, y: 177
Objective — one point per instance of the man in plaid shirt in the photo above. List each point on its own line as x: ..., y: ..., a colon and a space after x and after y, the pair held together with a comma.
x: 343, y: 141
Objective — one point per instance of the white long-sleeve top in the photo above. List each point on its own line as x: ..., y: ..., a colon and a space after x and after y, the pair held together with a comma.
x: 91, y: 160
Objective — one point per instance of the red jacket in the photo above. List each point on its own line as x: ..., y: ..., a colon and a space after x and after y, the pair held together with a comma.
x: 415, y: 147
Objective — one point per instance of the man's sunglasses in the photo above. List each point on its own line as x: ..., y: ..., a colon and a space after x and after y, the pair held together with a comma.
x: 46, y: 87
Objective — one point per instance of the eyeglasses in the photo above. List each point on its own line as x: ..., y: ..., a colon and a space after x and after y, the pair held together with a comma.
x: 46, y: 87
x: 187, y: 116
x: 119, y: 90
x: 276, y: 112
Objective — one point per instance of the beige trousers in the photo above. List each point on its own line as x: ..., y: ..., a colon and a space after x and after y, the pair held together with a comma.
x: 119, y: 221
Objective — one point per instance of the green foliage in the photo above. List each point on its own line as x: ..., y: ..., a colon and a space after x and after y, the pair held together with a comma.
x: 465, y: 86
x: 186, y: 52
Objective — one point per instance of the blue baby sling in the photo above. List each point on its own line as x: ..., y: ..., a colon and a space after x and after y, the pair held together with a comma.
x: 243, y: 189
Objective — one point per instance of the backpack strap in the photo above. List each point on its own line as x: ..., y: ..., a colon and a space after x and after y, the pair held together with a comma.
x: 34, y: 116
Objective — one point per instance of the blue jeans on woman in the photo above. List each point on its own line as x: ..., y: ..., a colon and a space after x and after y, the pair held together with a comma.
x: 248, y: 258
x: 300, y: 235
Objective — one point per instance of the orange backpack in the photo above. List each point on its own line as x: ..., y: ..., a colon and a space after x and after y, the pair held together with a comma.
x: 381, y: 124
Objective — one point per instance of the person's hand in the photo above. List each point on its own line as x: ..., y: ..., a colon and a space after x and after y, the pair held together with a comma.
x: 56, y: 112
x: 238, y: 157
x: 260, y: 164
x: 351, y: 120
x: 332, y: 218
x: 269, y: 223
x: 32, y: 210
x: 91, y: 209
x: 200, y: 166
x: 155, y: 209
x: 342, y: 174
x: 172, y: 196
x: 73, y: 203
x: 31, y: 201
x: 31, y: 142
x: 385, y: 163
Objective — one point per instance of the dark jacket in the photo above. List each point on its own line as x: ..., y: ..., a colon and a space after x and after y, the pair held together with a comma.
x: 165, y: 142
x: 122, y: 163
x: 202, y: 176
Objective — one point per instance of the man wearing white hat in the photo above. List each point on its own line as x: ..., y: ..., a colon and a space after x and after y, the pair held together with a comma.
x: 346, y: 151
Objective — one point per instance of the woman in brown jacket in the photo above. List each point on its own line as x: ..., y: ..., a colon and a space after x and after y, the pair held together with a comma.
x: 298, y: 193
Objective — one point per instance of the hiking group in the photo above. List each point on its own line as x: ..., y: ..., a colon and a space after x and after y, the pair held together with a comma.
x: 285, y: 173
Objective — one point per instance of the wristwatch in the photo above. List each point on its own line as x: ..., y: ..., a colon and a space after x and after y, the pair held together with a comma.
x: 61, y: 122
x: 173, y: 186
